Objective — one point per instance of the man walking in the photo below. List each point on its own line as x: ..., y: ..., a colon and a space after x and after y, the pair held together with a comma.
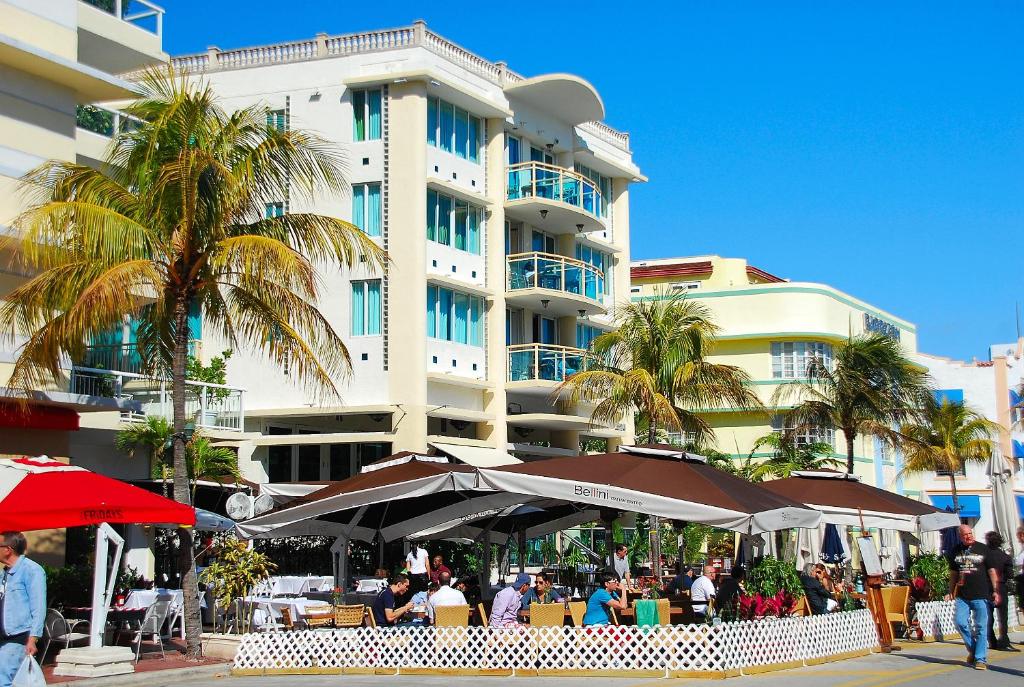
x: 972, y: 582
x: 1004, y: 568
x: 22, y: 605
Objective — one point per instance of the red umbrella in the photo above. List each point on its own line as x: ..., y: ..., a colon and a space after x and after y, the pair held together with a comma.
x: 40, y: 493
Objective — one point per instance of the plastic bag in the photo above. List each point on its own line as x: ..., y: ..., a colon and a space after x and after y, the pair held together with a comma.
x: 29, y: 674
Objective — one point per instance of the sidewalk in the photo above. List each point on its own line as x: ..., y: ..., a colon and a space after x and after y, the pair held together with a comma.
x: 174, y: 667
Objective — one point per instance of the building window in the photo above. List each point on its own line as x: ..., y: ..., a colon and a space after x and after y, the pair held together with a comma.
x: 366, y: 313
x: 805, y: 436
x: 603, y: 183
x: 271, y: 210
x: 596, y: 287
x: 791, y: 358
x: 585, y: 334
x: 453, y: 130
x: 277, y: 119
x: 454, y: 316
x: 685, y: 439
x: 366, y: 208
x: 685, y: 286
x: 366, y: 115
x: 453, y: 222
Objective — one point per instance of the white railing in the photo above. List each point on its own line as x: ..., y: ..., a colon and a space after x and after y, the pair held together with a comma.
x: 323, y: 45
x: 937, y: 618
x: 210, y: 406
x: 667, y: 650
x: 148, y: 17
x: 103, y: 121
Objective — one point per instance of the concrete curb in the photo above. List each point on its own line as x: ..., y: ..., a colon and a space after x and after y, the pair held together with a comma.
x: 155, y: 677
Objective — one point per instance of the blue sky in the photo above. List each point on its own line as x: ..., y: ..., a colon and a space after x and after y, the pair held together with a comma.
x: 874, y: 146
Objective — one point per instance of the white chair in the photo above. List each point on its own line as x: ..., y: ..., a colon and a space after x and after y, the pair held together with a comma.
x: 152, y: 624
x: 57, y: 629
x: 263, y: 619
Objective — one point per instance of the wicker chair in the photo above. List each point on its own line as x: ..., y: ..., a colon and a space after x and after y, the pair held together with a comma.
x: 451, y: 616
x: 547, y: 615
x: 577, y: 609
x: 483, y: 614
x: 348, y: 616
x: 894, y: 602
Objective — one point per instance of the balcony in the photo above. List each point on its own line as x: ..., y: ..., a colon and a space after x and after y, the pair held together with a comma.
x: 120, y: 35
x: 557, y: 200
x: 534, y: 362
x: 561, y: 286
x: 96, y: 126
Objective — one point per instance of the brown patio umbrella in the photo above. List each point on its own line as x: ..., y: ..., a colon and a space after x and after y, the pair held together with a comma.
x: 844, y: 500
x: 657, y: 480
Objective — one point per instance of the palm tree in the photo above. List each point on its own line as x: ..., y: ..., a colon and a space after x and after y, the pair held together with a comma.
x: 175, y: 220
x: 788, y: 456
x: 153, y: 434
x: 945, y: 437
x: 206, y: 461
x: 870, y: 387
x: 655, y: 362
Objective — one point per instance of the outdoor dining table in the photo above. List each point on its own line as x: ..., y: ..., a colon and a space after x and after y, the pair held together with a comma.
x: 141, y: 599
x: 299, y: 608
x: 295, y: 584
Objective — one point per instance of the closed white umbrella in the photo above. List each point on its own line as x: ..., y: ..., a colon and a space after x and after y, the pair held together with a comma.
x: 1004, y: 503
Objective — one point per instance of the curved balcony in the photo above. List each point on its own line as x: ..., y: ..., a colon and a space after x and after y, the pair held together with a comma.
x: 534, y: 362
x: 557, y: 200
x: 554, y: 285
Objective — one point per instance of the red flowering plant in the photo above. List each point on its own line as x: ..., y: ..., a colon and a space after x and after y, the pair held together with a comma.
x: 754, y: 606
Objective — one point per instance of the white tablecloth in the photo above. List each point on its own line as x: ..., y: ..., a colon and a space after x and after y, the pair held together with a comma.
x: 298, y: 607
x: 141, y: 599
x: 295, y: 584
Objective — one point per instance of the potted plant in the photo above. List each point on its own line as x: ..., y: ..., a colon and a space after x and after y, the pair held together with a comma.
x: 236, y: 570
x: 929, y: 575
x: 778, y: 585
x: 214, y: 373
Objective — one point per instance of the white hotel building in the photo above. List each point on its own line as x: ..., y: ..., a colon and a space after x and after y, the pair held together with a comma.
x: 503, y: 203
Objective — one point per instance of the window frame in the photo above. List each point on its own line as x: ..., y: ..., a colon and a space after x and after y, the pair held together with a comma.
x: 364, y: 188
x: 447, y: 123
x: 798, y: 362
x: 472, y: 236
x: 365, y: 96
x: 475, y: 312
x: 365, y: 319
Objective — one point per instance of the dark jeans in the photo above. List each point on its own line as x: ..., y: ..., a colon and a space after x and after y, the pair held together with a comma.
x: 1003, y: 610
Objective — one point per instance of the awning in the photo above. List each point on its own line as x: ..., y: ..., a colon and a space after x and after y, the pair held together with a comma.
x: 970, y: 504
x: 283, y: 492
x: 477, y: 456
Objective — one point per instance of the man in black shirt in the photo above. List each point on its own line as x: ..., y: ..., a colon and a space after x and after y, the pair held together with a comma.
x: 817, y: 595
x: 973, y: 581
x: 1004, y: 568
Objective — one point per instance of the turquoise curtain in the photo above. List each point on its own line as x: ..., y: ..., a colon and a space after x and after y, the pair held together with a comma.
x: 432, y: 121
x: 373, y: 210
x: 461, y: 132
x: 473, y: 233
x: 444, y: 220
x: 373, y: 314
x: 358, y: 115
x: 432, y: 311
x: 512, y: 150
x: 373, y: 130
x: 358, y: 308
x: 431, y: 215
x: 447, y: 125
x: 474, y: 139
x: 444, y: 312
x: 461, y: 318
x: 195, y: 322
x: 359, y: 206
x: 461, y: 220
x: 476, y: 323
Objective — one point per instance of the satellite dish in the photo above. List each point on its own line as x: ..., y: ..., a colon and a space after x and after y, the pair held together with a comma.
x: 239, y: 506
x: 263, y: 504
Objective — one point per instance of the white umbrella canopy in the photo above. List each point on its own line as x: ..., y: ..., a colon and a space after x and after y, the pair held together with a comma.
x: 1004, y: 502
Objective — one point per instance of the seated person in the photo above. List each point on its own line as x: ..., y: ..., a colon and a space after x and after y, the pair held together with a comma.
x: 383, y: 608
x: 702, y: 591
x: 470, y: 588
x: 731, y: 589
x: 541, y: 592
x: 604, y: 598
x: 682, y: 581
x: 818, y: 595
x: 445, y: 595
x: 508, y: 602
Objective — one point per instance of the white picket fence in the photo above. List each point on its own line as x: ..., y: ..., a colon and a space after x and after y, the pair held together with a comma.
x: 937, y: 618
x: 729, y: 647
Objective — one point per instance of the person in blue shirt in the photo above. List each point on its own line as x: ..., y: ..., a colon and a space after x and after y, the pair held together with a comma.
x: 22, y: 604
x: 604, y: 598
x: 541, y: 592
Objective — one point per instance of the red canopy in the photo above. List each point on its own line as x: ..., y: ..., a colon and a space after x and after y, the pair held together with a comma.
x: 40, y: 493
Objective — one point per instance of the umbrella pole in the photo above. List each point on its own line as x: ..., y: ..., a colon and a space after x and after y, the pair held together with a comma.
x: 102, y: 583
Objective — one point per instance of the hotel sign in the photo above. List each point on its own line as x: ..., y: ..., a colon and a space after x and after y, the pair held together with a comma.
x: 880, y: 326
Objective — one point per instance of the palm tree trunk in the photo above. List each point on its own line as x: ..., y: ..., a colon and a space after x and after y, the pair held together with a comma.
x: 849, y: 450
x: 952, y: 487
x: 186, y: 567
x: 655, y: 540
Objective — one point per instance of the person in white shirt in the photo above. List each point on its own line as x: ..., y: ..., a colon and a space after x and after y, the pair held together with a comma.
x: 702, y: 591
x: 445, y: 595
x: 418, y: 563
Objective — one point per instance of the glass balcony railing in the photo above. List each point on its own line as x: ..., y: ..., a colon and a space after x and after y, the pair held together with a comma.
x: 555, y: 273
x: 102, y: 121
x: 545, y: 362
x: 140, y: 13
x: 539, y: 180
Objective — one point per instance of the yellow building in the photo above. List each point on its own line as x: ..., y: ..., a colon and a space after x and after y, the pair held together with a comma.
x: 769, y: 327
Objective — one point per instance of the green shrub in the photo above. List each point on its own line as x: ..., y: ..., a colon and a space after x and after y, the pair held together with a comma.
x: 935, y: 571
x: 770, y: 576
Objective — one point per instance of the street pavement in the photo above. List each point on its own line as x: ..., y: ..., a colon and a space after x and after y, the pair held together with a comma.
x: 917, y: 665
